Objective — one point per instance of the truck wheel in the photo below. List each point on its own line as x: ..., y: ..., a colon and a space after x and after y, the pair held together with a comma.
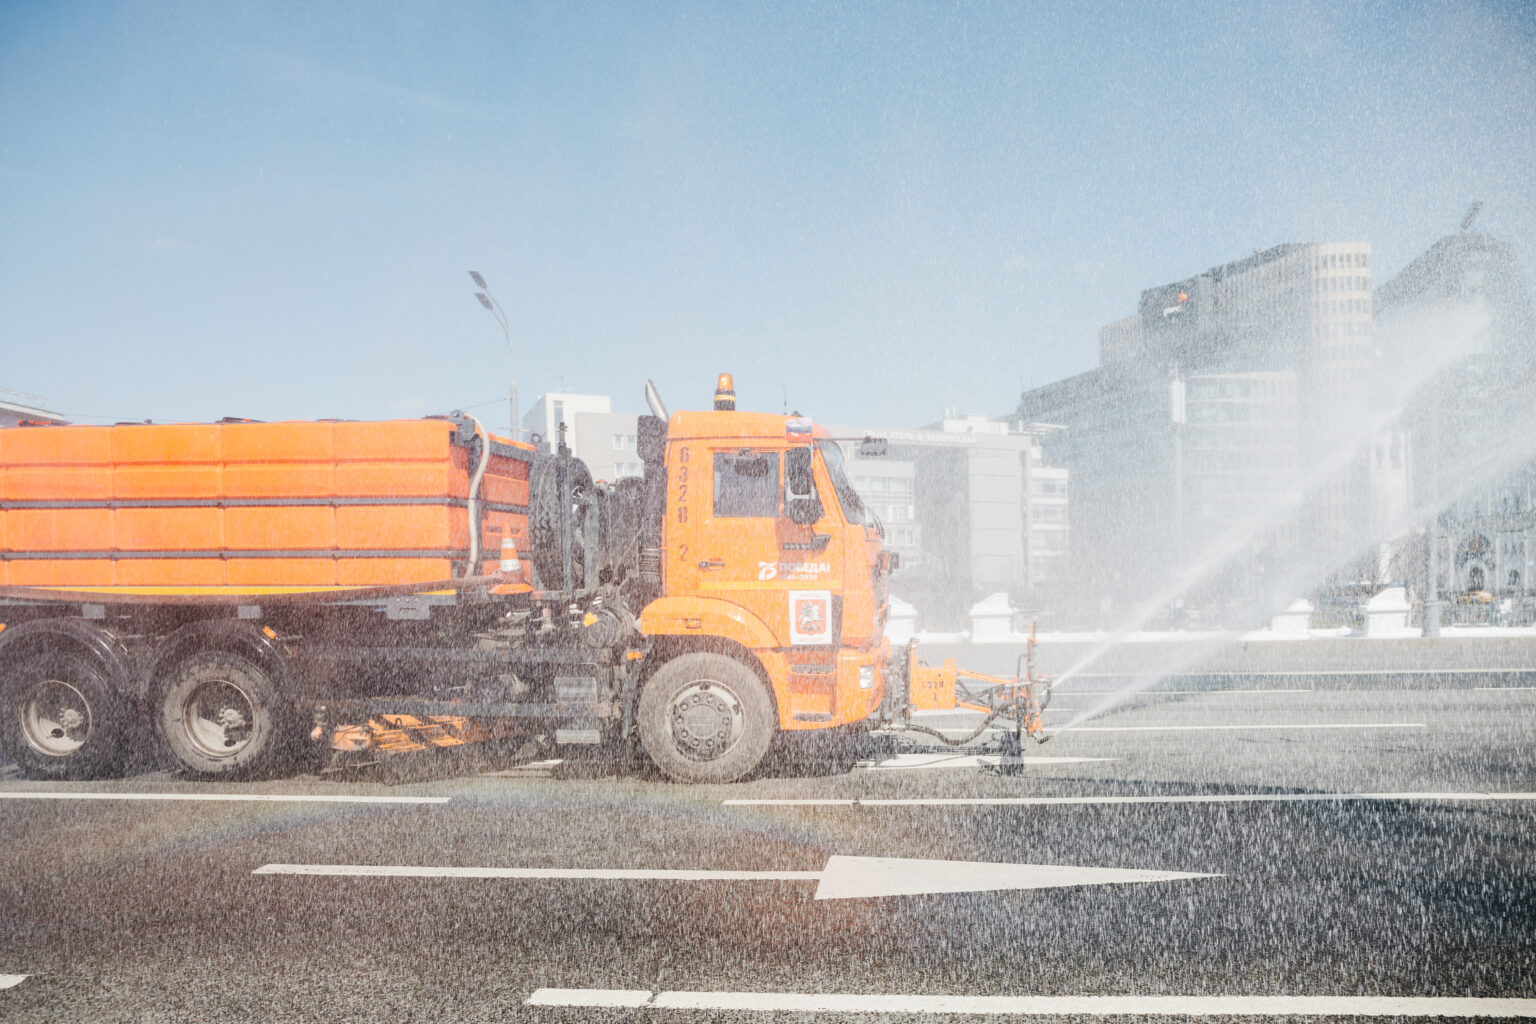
x: 705, y: 718
x: 220, y: 715
x: 59, y: 719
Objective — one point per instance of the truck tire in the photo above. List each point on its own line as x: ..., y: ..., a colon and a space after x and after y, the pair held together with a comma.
x: 221, y: 715
x: 705, y: 718
x: 544, y: 522
x: 60, y: 719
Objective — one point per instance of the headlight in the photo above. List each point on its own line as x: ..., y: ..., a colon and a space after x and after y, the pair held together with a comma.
x: 866, y: 677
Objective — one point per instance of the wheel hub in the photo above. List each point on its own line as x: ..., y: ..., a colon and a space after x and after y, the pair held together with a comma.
x: 217, y: 718
x: 706, y: 721
x: 55, y: 718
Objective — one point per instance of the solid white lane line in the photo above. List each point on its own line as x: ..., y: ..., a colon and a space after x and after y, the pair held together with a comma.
x: 1238, y: 728
x: 11, y: 980
x: 306, y: 798
x: 1062, y: 801
x: 902, y: 762
x: 808, y: 1002
x: 1194, y: 1006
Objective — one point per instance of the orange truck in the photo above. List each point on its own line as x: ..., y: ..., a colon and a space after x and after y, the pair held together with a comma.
x: 242, y: 596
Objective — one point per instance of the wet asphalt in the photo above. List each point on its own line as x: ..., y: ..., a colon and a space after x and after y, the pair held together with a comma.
x: 150, y: 911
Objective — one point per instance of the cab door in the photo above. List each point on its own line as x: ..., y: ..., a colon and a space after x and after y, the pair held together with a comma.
x: 751, y: 554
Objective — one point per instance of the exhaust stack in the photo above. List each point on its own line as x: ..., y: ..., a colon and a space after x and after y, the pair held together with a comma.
x: 653, y: 399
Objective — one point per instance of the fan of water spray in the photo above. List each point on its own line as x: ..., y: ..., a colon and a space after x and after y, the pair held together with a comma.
x: 1423, y: 348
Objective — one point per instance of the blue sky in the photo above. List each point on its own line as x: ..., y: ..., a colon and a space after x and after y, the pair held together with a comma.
x: 869, y: 212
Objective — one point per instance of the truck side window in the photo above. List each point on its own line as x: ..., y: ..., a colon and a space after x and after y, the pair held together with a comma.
x: 747, y: 484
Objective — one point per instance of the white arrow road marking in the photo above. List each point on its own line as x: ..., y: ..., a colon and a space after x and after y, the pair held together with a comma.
x: 842, y: 878
x: 605, y: 874
x: 850, y: 877
x: 11, y: 980
x: 901, y: 762
x: 1052, y: 801
x: 1101, y: 1006
x: 308, y: 798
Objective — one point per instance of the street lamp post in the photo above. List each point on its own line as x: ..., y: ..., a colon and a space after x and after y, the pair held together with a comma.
x: 1429, y: 445
x: 494, y: 308
x: 1178, y: 416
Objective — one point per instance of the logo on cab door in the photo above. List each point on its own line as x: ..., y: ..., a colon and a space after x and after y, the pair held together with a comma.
x: 793, y: 570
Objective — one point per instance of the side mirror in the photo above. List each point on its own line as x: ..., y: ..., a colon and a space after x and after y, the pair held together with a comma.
x: 801, y: 505
x: 798, y: 481
x: 804, y: 511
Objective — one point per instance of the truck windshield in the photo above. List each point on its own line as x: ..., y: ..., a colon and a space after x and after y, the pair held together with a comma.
x: 853, y: 509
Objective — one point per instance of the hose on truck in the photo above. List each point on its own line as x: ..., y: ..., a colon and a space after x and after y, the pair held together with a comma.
x: 474, y: 497
x: 1017, y: 706
x: 1012, y: 708
x: 1028, y: 711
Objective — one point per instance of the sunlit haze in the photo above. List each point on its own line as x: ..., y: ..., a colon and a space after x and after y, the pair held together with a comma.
x: 867, y: 212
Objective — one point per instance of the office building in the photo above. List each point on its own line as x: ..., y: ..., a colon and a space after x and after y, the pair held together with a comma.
x: 972, y: 506
x: 1206, y: 406
x: 1468, y: 434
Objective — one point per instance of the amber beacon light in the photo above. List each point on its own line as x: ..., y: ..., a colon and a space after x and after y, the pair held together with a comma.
x: 725, y: 393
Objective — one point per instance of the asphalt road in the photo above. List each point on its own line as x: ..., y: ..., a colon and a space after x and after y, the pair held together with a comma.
x: 156, y: 910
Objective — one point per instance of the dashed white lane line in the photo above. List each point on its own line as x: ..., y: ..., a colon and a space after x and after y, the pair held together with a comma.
x: 1245, y: 727
x: 1062, y: 801
x: 1242, y: 728
x: 1066, y: 694
x: 306, y: 798
x: 1099, y: 1006
x: 11, y: 980
x: 605, y: 997
x: 902, y: 762
x: 1490, y: 670
x: 1157, y: 693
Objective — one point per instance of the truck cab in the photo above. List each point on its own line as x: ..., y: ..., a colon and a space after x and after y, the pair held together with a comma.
x: 768, y: 558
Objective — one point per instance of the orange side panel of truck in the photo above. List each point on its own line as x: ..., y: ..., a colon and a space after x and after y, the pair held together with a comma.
x: 231, y: 506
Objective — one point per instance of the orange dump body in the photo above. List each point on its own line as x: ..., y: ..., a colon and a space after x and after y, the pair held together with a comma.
x: 252, y: 507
